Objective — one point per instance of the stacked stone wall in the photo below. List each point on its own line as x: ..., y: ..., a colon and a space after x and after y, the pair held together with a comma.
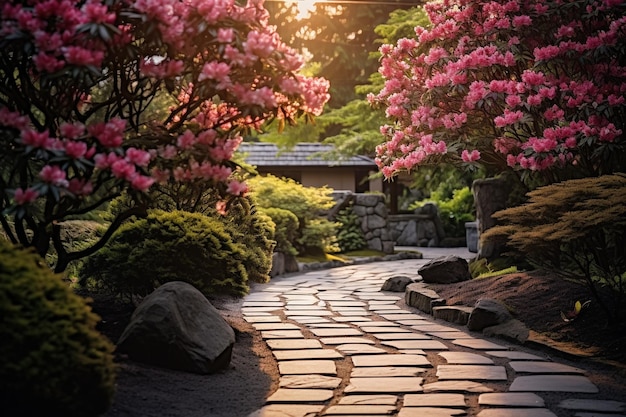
x: 372, y: 212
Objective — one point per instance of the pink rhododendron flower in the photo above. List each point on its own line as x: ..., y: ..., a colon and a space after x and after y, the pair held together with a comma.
x: 26, y: 196
x: 472, y: 156
x: 54, y: 175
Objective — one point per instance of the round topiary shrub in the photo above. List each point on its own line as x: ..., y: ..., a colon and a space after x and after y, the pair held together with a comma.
x: 170, y: 246
x: 54, y: 362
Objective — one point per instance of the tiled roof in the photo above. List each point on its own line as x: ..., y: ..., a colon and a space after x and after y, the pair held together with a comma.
x: 302, y: 154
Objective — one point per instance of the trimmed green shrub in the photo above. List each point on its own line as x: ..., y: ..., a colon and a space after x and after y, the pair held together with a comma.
x: 309, y: 204
x: 255, y: 230
x: 176, y: 246
x: 350, y: 236
x: 576, y: 228
x: 286, y: 231
x: 54, y: 361
x: 454, y: 212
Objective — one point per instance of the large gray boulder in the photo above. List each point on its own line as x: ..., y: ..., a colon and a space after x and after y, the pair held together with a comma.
x: 176, y: 327
x: 488, y: 312
x: 445, y: 270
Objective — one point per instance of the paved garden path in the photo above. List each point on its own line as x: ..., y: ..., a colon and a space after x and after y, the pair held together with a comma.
x: 344, y: 348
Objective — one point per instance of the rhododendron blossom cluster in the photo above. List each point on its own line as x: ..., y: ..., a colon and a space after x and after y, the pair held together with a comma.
x: 533, y: 85
x: 104, y: 96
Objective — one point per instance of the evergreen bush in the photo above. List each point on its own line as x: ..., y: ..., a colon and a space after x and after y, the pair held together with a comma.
x: 576, y: 228
x: 286, y: 231
x: 54, y: 361
x: 315, y: 233
x: 176, y: 246
x: 350, y: 236
x: 454, y: 211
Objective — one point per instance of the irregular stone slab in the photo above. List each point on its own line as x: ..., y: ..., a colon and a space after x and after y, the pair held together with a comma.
x: 346, y: 340
x: 512, y: 330
x: 432, y: 327
x: 516, y: 412
x: 351, y: 319
x: 275, y: 326
x: 411, y: 352
x: 294, y: 344
x: 393, y: 313
x: 304, y: 367
x: 373, y: 399
x: 511, y: 399
x: 262, y: 319
x: 401, y: 336
x: 287, y: 395
x: 286, y: 355
x: 359, y: 349
x: 434, y: 400
x: 381, y: 302
x: 308, y: 319
x: 384, y: 329
x: 430, y: 412
x: 555, y: 383
x: 328, y: 325
x: 251, y: 310
x: 391, y: 360
x: 347, y: 303
x: 413, y: 322
x: 401, y: 384
x: 471, y: 372
x: 403, y: 316
x: 543, y: 368
x: 388, y: 371
x: 416, y: 344
x: 515, y: 355
x: 309, y: 381
x: 450, y: 335
x: 602, y: 406
x: 336, y: 332
x: 478, y: 344
x: 452, y: 314
x: 314, y: 313
x: 360, y: 410
x: 282, y: 334
x: 456, y: 386
x: 378, y: 323
x: 465, y: 358
x: 287, y: 410
x: 386, y: 307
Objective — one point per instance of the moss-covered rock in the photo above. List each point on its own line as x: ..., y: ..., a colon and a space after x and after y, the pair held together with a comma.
x: 54, y: 361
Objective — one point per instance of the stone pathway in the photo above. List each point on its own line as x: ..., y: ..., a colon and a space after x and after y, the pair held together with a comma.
x: 344, y: 348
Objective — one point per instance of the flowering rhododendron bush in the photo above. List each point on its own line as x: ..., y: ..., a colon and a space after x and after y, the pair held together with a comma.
x: 98, y: 97
x: 531, y: 85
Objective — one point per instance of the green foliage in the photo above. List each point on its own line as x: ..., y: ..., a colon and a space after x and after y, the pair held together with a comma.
x: 176, y: 246
x: 454, y: 212
x: 54, y: 362
x: 286, y: 231
x: 578, y: 228
x: 307, y: 203
x: 350, y: 236
x: 255, y: 230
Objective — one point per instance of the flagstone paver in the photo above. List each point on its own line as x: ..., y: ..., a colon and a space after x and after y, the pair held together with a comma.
x: 304, y: 367
x: 516, y: 412
x: 511, y: 399
x: 472, y: 372
x: 282, y: 395
x: 398, y: 384
x: 435, y: 400
x: 345, y: 348
x: 465, y: 358
x: 309, y: 381
x: 556, y: 383
x: 430, y: 412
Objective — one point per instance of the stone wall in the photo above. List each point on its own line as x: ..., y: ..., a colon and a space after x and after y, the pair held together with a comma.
x: 422, y: 228
x: 372, y: 212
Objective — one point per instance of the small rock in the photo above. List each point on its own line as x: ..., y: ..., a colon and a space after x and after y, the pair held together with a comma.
x: 513, y: 330
x: 488, y: 312
x: 445, y: 270
x: 397, y: 283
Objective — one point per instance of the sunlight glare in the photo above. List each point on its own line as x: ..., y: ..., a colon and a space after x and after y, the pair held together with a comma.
x: 305, y: 8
